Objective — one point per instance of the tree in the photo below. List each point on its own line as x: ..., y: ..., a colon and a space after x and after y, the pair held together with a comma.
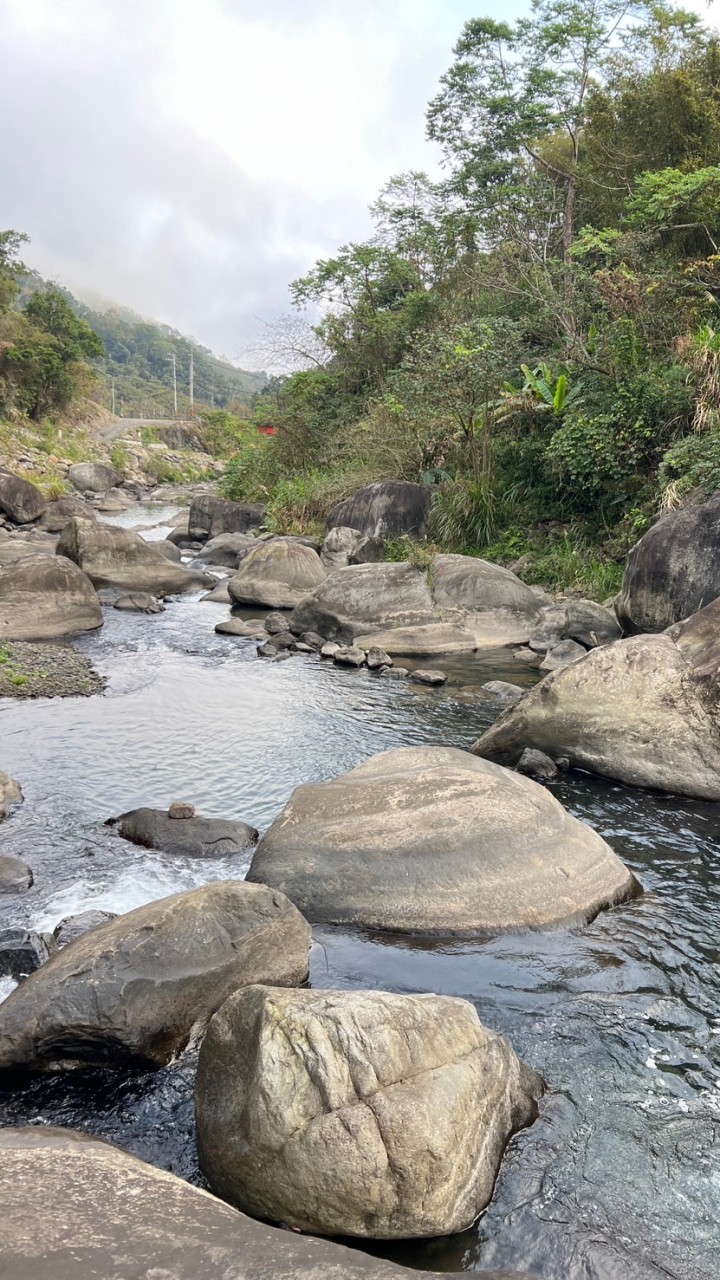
x: 10, y: 267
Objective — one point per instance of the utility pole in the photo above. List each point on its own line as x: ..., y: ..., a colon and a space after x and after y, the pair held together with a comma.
x: 192, y: 378
x: 174, y: 369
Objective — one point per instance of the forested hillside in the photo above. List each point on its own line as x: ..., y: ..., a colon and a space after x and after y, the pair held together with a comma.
x: 537, y: 334
x: 55, y: 350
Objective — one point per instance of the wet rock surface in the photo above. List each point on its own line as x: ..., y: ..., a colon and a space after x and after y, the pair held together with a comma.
x: 184, y: 834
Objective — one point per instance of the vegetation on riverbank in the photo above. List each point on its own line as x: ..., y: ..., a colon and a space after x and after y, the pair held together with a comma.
x: 537, y: 335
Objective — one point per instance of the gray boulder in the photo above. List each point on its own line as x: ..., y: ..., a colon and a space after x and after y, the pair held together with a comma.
x: 77, y: 1208
x: 644, y: 711
x: 23, y: 951
x: 357, y: 1113
x: 20, y: 500
x: 674, y: 570
x: 73, y: 927
x: 460, y: 604
x: 15, y: 875
x: 114, y: 557
x: 168, y: 550
x: 337, y: 547
x: 219, y: 594
x: 590, y: 624
x: 93, y: 477
x: 429, y: 676
x: 10, y: 795
x: 236, y: 627
x: 45, y: 598
x: 562, y: 655
x: 210, y: 516
x: 277, y: 574
x: 349, y: 656
x: 139, y: 602
x: 386, y: 509
x: 136, y: 990
x: 192, y: 837
x: 421, y: 839
x: 227, y: 549
x: 504, y: 690
x: 535, y: 764
x: 58, y: 512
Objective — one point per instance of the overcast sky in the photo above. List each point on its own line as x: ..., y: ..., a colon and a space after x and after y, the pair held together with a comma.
x: 188, y: 158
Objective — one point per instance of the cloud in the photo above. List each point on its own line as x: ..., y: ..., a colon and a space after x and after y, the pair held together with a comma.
x: 188, y: 158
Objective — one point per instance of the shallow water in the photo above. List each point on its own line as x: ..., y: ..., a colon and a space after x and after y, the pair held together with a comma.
x: 620, y: 1176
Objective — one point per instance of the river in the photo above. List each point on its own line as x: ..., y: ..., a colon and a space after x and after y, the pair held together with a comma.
x: 620, y: 1177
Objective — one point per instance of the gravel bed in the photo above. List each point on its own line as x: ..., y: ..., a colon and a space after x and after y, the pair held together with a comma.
x: 46, y: 671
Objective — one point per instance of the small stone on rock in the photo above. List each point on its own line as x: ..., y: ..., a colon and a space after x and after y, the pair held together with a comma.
x: 180, y: 809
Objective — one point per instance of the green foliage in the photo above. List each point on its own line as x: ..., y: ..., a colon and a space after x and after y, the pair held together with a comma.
x: 407, y: 550
x: 690, y: 465
x: 302, y: 503
x: 252, y: 471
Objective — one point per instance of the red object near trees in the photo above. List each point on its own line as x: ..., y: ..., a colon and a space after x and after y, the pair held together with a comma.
x: 267, y: 430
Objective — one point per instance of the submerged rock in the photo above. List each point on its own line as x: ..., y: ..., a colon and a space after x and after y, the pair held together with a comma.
x: 644, y: 711
x: 357, y: 1113
x: 428, y: 675
x: 276, y: 574
x: 47, y: 598
x: 136, y: 990
x: 10, y: 795
x: 432, y: 840
x: 504, y: 690
x: 193, y: 837
x: 77, y: 1208
x: 139, y: 602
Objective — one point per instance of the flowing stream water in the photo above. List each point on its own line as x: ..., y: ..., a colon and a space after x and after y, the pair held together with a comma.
x: 619, y: 1179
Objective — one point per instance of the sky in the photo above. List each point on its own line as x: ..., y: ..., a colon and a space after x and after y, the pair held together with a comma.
x: 189, y: 158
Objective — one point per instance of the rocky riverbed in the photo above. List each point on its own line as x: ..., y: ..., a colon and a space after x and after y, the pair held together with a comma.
x: 618, y: 1177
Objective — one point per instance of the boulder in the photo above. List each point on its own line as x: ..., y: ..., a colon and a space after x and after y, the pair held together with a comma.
x: 329, y: 650
x: 674, y: 570
x: 535, y: 764
x: 427, y: 675
x: 219, y: 594
x: 420, y: 839
x: 93, y: 477
x: 236, y: 627
x: 58, y: 512
x: 643, y: 711
x: 337, y: 547
x: 460, y: 604
x: 275, y: 622
x: 10, y: 795
x: 369, y: 550
x: 590, y: 624
x: 114, y: 557
x: 77, y: 1208
x: 562, y: 655
x: 46, y: 598
x: 193, y: 837
x: 503, y: 690
x: 349, y: 656
x: 377, y: 658
x: 385, y: 510
x: 168, y: 550
x: 136, y: 990
x: 139, y: 602
x: 227, y: 549
x: 312, y: 640
x: 22, y: 951
x: 357, y: 1113
x: 210, y: 516
x: 15, y: 875
x: 277, y: 574
x: 20, y: 500
x: 73, y: 927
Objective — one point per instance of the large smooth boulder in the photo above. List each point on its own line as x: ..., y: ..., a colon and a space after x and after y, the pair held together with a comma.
x: 644, y: 711
x: 458, y: 605
x: 77, y: 1208
x: 227, y: 549
x: 433, y: 840
x: 386, y: 509
x: 113, y: 557
x: 357, y: 1113
x: 674, y: 570
x: 93, y: 477
x: 277, y: 575
x: 59, y: 511
x: 210, y: 516
x: 192, y: 837
x: 19, y: 499
x: 45, y: 598
x: 10, y: 795
x: 136, y: 990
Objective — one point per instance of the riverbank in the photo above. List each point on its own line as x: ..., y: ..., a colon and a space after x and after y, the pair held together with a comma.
x: 29, y: 670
